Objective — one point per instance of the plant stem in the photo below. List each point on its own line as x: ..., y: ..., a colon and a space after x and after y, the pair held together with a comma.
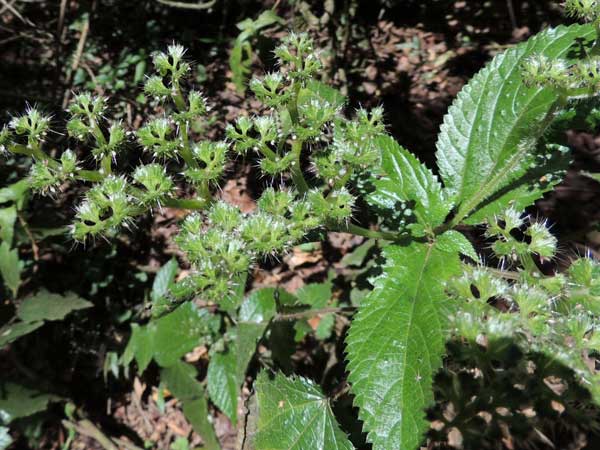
x: 89, y: 175
x: 296, y: 170
x: 186, y: 151
x: 315, y: 312
x: 106, y: 165
x: 184, y: 203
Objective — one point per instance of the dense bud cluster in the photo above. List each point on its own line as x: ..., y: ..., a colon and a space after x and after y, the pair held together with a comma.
x: 555, y: 315
x: 302, y: 131
x: 588, y: 10
x: 517, y: 237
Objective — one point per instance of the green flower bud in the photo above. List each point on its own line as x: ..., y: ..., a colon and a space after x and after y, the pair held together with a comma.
x: 42, y: 178
x: 5, y: 139
x: 87, y: 105
x: 196, y: 108
x: 539, y: 70
x: 105, y: 208
x: 78, y: 129
x: 171, y: 63
x: 266, y: 127
x: 116, y: 139
x: 543, y: 243
x: 587, y: 74
x: 157, y: 137
x: 264, y: 233
x: 341, y: 203
x: 156, y: 183
x: 33, y: 124
x: 588, y: 10
x: 278, y: 165
x: 68, y: 161
x: 239, y: 135
x: 154, y: 87
x: 275, y: 202
x: 224, y: 216
x: 211, y: 157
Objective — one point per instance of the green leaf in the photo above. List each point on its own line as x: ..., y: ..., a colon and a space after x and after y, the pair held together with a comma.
x: 47, y: 306
x: 247, y: 337
x: 315, y: 294
x: 169, y: 338
x: 396, y: 342
x: 406, y: 179
x: 223, y: 386
x: 524, y: 191
x: 10, y: 333
x: 453, y: 241
x: 8, y: 216
x: 254, y: 316
x: 489, y: 135
x: 358, y: 255
x: 259, y: 306
x: 293, y: 413
x: 180, y: 332
x: 140, y: 346
x: 163, y: 280
x: 16, y: 193
x: 325, y: 92
x: 10, y: 267
x: 180, y: 379
x: 325, y: 326
x: 18, y: 401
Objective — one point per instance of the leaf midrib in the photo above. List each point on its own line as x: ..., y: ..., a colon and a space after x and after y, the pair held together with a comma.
x: 483, y: 191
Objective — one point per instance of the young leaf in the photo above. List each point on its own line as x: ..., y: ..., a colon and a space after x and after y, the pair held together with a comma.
x: 293, y: 413
x: 10, y: 267
x: 408, y: 180
x: 396, y: 342
x: 453, y: 241
x: 222, y: 382
x: 180, y: 379
x: 489, y: 135
x: 164, y: 278
x: 47, y: 306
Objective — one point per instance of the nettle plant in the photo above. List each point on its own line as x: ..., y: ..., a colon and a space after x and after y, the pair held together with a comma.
x: 498, y: 151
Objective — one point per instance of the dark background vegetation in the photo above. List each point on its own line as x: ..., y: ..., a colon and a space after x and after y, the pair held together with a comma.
x: 410, y: 56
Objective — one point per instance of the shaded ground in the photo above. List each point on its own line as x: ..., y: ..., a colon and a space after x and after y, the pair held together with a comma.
x: 413, y: 59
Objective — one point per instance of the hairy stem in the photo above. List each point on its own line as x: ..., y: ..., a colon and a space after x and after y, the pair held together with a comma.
x: 296, y: 170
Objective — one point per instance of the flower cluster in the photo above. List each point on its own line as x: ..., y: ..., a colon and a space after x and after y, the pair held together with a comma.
x: 556, y: 315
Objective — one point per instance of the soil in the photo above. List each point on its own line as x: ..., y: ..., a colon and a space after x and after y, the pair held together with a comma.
x: 412, y: 58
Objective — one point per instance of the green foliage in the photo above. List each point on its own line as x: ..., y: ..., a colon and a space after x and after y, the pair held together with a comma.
x: 489, y: 136
x: 171, y: 336
x: 47, y: 306
x: 396, y: 343
x: 241, y: 55
x: 496, y: 157
x: 294, y: 413
x: 18, y: 401
x: 34, y: 310
x: 180, y: 379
